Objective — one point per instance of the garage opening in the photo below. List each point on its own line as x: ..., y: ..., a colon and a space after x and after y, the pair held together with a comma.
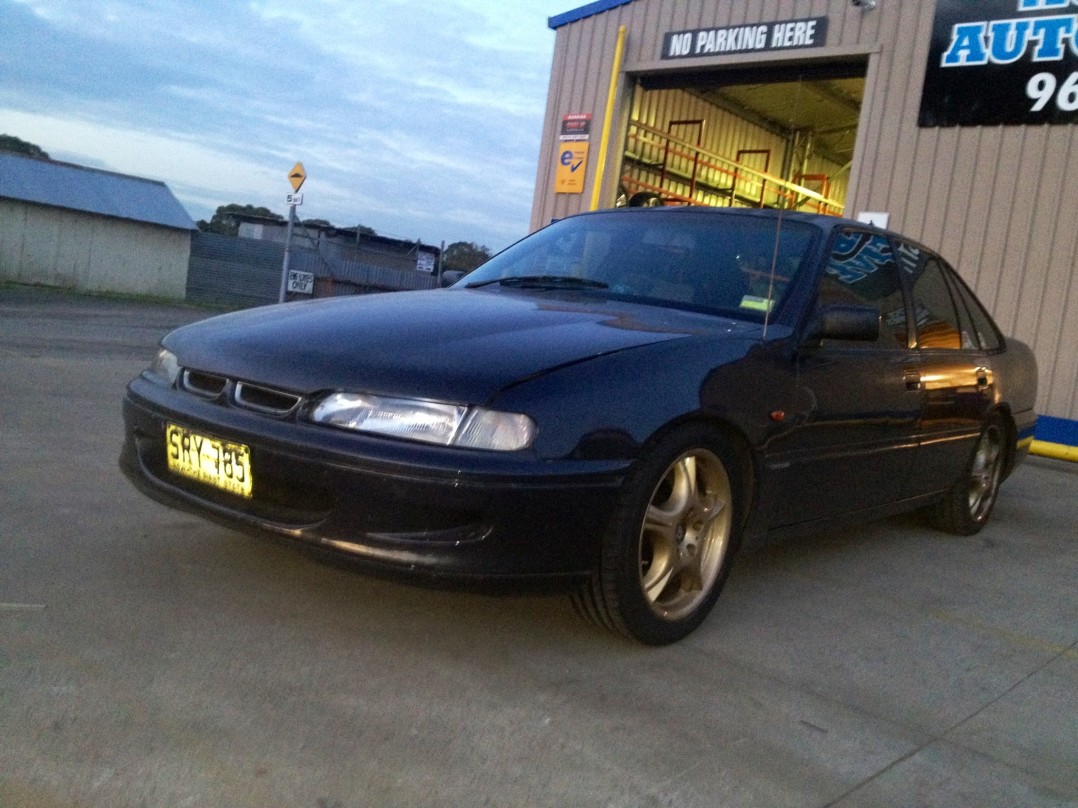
x: 765, y: 137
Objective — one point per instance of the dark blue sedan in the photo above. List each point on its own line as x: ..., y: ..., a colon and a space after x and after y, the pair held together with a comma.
x: 622, y: 398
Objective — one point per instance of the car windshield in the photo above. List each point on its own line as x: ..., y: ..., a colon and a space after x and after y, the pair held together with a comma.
x: 731, y: 265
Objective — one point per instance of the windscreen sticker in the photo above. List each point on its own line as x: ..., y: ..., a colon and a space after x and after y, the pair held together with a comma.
x: 756, y: 303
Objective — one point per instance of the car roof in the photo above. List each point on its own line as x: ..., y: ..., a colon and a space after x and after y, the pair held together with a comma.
x: 819, y: 220
x: 823, y: 222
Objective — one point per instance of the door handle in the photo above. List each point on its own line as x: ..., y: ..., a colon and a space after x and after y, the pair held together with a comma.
x: 912, y: 378
x: 983, y: 376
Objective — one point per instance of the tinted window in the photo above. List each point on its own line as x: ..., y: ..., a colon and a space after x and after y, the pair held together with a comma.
x: 861, y: 270
x: 939, y: 324
x: 735, y: 265
x: 984, y: 330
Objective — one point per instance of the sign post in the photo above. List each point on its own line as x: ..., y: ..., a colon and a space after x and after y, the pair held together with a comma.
x: 296, y: 176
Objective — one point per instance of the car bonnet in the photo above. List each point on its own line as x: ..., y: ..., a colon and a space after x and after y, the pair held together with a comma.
x: 453, y: 345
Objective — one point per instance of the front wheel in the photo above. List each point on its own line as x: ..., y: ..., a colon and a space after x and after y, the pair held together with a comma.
x: 670, y: 543
x: 966, y: 507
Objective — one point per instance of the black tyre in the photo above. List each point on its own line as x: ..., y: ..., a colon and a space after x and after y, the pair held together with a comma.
x: 669, y: 546
x: 966, y: 507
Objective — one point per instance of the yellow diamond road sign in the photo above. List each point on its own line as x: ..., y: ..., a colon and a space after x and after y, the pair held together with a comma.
x: 296, y: 176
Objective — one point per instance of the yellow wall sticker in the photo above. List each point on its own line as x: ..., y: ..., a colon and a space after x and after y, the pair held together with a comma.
x: 572, y: 167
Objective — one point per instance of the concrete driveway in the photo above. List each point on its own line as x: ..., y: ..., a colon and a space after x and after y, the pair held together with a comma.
x: 148, y: 658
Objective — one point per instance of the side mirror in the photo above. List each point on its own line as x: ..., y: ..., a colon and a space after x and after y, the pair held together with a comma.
x: 845, y: 322
x: 451, y: 276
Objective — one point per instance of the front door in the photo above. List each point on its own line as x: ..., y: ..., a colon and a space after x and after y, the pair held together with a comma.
x: 855, y: 447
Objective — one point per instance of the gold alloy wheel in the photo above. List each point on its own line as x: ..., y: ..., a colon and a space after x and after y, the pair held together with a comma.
x: 985, y: 472
x: 685, y: 534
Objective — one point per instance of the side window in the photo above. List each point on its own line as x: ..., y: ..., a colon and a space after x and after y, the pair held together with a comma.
x: 984, y: 329
x: 861, y: 270
x: 938, y: 323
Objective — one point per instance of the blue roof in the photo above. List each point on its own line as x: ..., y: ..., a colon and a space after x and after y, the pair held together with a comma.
x: 63, y: 185
x: 598, y: 7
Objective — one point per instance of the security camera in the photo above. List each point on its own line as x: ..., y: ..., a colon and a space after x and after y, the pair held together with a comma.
x: 865, y: 5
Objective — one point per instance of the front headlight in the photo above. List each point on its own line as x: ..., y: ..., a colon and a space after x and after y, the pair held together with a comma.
x: 165, y: 368
x: 426, y: 421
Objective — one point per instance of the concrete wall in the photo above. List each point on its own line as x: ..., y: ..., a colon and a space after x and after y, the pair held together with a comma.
x: 91, y: 253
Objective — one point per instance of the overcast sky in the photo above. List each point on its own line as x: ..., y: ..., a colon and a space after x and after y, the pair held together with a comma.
x: 419, y: 118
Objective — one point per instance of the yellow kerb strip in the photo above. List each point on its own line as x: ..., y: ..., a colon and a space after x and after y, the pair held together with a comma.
x: 1057, y: 451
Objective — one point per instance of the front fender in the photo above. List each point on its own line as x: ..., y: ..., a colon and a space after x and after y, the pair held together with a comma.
x: 609, y: 406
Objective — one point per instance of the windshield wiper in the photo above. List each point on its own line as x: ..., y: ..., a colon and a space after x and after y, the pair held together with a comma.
x: 542, y: 282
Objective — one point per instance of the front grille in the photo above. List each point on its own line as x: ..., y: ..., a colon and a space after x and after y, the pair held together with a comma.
x: 254, y: 397
x: 207, y: 385
x: 264, y: 399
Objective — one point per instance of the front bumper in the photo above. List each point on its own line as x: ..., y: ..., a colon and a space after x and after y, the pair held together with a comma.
x: 406, y: 506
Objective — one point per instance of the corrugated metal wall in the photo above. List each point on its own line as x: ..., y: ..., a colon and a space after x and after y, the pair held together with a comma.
x: 89, y: 252
x: 233, y: 272
x: 242, y: 272
x: 724, y: 134
x: 1000, y: 202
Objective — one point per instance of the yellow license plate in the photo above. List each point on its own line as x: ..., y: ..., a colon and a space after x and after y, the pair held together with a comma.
x: 215, y: 462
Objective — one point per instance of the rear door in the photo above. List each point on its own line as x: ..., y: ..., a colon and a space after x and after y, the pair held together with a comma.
x: 855, y: 447
x: 955, y: 377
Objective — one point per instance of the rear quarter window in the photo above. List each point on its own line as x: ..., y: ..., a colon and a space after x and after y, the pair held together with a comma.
x: 983, y: 327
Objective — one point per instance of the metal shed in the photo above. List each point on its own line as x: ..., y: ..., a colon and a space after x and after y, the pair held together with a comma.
x: 82, y: 228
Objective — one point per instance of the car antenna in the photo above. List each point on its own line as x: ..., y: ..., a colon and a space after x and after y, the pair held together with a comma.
x: 771, y: 274
x: 783, y: 200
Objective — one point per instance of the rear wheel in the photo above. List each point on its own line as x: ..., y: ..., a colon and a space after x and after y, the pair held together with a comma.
x: 966, y: 507
x: 669, y: 546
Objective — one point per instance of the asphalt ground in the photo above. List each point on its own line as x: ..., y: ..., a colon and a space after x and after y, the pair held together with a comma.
x: 148, y: 658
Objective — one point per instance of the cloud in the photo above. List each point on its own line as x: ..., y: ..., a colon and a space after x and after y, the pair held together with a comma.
x: 413, y: 117
x: 146, y: 154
